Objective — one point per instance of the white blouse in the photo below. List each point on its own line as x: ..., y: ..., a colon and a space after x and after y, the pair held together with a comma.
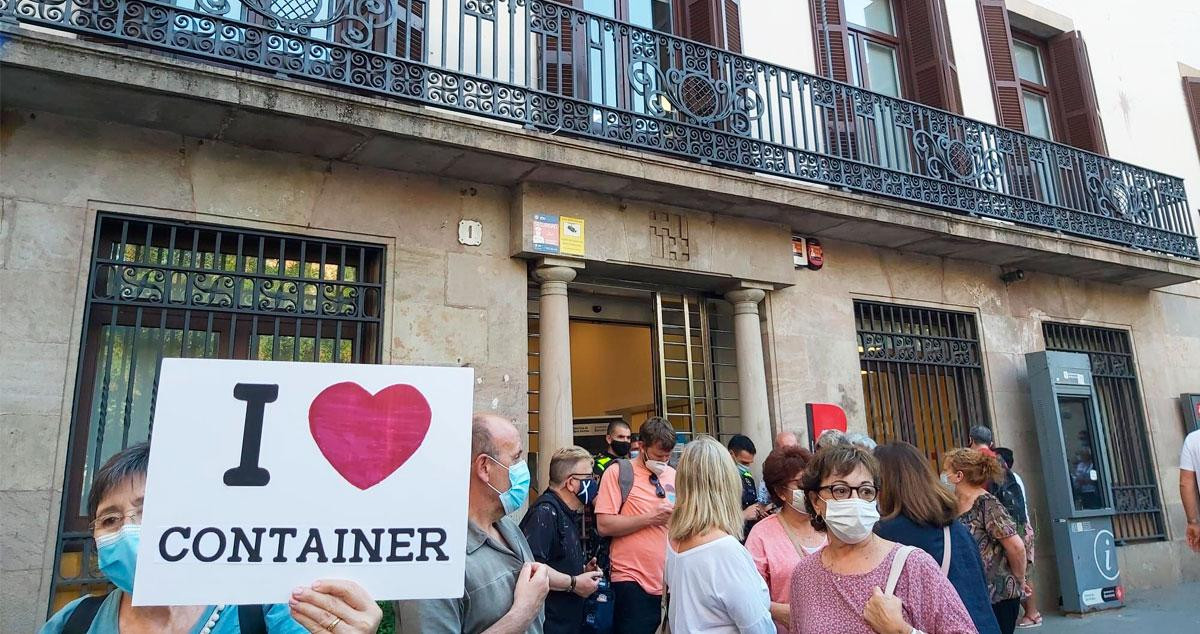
x: 716, y: 588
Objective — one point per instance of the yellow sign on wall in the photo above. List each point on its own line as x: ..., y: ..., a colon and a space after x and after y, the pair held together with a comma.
x: 570, y: 235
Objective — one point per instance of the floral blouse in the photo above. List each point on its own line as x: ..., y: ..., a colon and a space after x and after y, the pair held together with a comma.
x: 989, y: 523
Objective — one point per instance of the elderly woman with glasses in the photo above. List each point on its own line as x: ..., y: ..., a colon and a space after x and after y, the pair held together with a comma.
x: 115, y: 501
x: 860, y: 582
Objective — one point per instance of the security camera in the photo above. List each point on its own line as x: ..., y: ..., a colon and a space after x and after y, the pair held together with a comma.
x: 1015, y: 275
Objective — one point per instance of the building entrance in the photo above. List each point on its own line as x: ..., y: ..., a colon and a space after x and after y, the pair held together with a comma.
x: 638, y: 352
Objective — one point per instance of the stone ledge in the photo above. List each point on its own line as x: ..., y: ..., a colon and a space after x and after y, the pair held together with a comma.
x: 66, y: 75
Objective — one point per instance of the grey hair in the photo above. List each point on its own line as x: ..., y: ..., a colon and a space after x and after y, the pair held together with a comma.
x: 126, y: 465
x: 981, y: 435
x: 830, y: 438
x: 862, y: 440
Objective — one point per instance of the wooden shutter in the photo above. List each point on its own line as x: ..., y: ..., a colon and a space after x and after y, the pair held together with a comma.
x: 733, y: 26
x: 1006, y: 86
x: 410, y: 30
x: 558, y: 58
x: 1074, y: 94
x: 834, y: 29
x: 715, y: 22
x: 932, y: 70
x: 1191, y: 93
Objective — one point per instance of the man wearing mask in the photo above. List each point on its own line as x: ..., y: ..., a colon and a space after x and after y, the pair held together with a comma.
x: 618, y: 439
x: 743, y: 451
x: 552, y: 528
x: 505, y: 586
x: 636, y: 518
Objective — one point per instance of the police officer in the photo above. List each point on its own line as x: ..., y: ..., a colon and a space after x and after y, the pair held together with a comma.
x: 743, y: 451
x: 617, y: 439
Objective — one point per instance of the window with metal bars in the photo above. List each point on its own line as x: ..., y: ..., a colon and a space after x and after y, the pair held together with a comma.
x: 1135, y: 486
x: 922, y: 375
x: 161, y: 288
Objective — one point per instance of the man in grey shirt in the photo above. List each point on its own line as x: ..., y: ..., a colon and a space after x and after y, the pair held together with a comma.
x: 504, y: 588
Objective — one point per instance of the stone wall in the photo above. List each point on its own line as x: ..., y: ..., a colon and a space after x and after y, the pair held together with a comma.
x: 815, y: 359
x: 449, y: 304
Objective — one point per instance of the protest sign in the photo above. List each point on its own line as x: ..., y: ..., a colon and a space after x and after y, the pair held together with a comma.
x: 267, y: 475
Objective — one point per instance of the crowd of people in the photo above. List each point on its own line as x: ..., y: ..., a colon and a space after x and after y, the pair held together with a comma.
x: 852, y: 538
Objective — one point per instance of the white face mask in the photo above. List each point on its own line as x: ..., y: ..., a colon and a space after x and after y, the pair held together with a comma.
x: 656, y: 466
x: 852, y: 520
x: 798, y: 502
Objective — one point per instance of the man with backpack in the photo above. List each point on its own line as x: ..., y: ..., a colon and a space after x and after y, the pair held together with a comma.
x: 633, y: 507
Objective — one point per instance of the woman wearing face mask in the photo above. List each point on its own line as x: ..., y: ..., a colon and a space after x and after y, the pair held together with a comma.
x: 551, y: 526
x: 861, y: 583
x: 710, y: 577
x: 995, y: 533
x: 115, y: 501
x: 918, y: 511
x: 780, y: 541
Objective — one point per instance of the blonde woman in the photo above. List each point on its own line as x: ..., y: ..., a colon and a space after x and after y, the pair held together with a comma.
x: 712, y: 581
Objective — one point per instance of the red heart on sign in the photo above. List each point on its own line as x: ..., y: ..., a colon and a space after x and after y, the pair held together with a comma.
x: 367, y: 437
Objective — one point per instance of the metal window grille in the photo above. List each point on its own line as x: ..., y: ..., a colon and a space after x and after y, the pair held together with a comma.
x: 159, y: 289
x: 922, y: 375
x: 1135, y: 486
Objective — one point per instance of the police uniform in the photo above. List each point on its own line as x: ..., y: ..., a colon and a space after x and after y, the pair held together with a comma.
x: 749, y: 495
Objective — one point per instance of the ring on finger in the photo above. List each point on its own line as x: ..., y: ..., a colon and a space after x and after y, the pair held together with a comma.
x: 334, y: 623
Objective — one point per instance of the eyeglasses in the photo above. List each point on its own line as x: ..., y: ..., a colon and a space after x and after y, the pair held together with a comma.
x: 658, y: 488
x: 865, y: 492
x: 114, y: 521
x: 586, y: 477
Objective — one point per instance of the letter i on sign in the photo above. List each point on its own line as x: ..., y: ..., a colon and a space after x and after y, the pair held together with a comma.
x: 248, y: 473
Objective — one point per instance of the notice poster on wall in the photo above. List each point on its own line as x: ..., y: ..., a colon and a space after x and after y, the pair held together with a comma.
x: 571, y: 236
x: 545, y: 233
x: 265, y: 476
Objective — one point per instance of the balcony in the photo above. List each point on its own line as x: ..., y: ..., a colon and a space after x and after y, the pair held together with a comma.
x: 549, y: 67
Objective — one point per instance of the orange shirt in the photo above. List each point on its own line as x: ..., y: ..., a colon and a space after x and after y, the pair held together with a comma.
x: 639, y: 556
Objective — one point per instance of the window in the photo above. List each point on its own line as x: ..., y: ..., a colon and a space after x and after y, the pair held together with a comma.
x: 164, y: 289
x: 1134, y: 483
x: 922, y: 375
x: 1041, y: 84
x: 893, y: 48
x: 874, y: 46
x: 1035, y: 91
x: 1191, y: 94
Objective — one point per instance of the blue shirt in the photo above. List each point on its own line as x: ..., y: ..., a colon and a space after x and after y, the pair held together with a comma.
x: 966, y: 568
x: 279, y: 619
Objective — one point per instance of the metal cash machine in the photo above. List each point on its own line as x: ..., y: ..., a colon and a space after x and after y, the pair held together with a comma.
x: 1078, y: 480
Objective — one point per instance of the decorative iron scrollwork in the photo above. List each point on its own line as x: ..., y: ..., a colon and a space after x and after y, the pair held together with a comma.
x: 947, y: 158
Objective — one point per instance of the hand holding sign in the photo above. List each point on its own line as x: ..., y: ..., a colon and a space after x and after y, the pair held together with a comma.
x: 267, y: 475
x: 335, y: 606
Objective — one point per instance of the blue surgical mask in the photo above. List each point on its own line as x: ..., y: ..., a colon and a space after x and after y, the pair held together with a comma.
x: 118, y: 555
x: 587, y: 491
x: 518, y: 486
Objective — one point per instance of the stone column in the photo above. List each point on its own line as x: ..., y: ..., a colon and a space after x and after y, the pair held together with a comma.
x: 556, y: 424
x: 751, y: 371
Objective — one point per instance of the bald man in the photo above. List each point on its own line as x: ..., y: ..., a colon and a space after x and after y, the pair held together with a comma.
x: 505, y: 586
x: 785, y: 439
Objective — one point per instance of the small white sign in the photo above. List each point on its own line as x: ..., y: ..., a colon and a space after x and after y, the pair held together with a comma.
x: 267, y: 475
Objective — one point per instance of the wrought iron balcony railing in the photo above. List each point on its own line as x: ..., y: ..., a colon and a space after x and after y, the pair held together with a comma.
x: 555, y: 68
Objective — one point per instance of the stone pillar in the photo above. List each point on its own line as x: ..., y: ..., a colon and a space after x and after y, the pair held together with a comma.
x: 751, y: 371
x: 556, y: 423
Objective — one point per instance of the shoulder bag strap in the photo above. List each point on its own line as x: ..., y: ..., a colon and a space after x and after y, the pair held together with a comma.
x: 897, y: 568
x: 81, y: 619
x: 946, y: 550
x: 625, y: 480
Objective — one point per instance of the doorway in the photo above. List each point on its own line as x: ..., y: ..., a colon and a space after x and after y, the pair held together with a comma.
x: 639, y: 351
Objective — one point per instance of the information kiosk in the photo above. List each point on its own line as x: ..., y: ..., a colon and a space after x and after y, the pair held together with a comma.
x: 1078, y: 482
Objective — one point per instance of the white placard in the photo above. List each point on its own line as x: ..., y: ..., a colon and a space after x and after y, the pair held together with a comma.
x: 344, y: 486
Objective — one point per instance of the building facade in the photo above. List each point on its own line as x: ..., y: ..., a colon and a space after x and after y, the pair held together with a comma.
x: 595, y: 205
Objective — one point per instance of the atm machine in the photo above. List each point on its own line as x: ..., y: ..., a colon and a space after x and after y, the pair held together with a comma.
x: 1078, y: 480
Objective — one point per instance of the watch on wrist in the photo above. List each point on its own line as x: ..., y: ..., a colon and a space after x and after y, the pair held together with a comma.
x: 572, y: 588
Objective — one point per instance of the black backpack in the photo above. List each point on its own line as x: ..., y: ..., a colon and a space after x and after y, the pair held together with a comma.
x: 252, y: 619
